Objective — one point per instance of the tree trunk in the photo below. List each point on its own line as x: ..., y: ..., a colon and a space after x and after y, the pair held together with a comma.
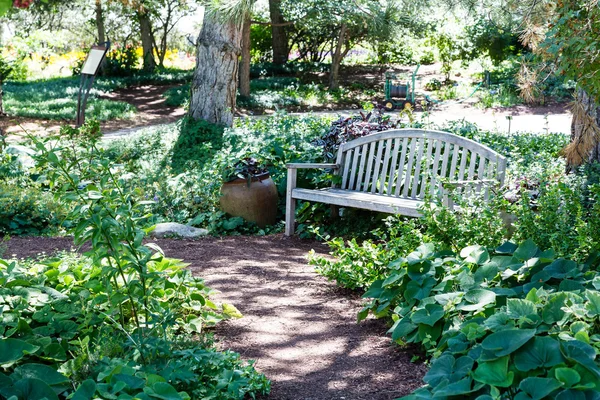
x: 147, y: 40
x: 585, y: 132
x: 336, y: 60
x: 245, y: 65
x: 278, y: 33
x: 214, y: 84
x: 101, y: 30
x: 100, y: 22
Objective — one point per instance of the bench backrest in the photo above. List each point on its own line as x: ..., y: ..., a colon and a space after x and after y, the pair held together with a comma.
x: 406, y: 163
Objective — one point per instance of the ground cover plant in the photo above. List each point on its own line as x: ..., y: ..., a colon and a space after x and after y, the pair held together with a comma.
x: 122, y: 321
x: 56, y: 98
x: 516, y: 322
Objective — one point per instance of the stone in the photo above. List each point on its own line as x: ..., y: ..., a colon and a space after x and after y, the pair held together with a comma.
x: 169, y: 229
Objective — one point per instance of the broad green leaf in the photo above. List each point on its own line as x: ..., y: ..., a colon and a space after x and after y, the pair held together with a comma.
x: 506, y: 248
x: 507, y: 341
x: 12, y: 350
x: 571, y: 394
x: 567, y: 376
x: 475, y: 255
x: 517, y: 308
x: 85, y: 391
x: 494, y: 373
x: 459, y: 388
x: 430, y: 314
x: 499, y: 321
x: 163, y: 391
x: 561, y: 268
x: 447, y: 367
x: 540, y: 352
x: 42, y: 372
x: 593, y: 304
x: 417, y: 291
x: 582, y: 353
x: 553, y: 310
x: 35, y: 389
x: 526, y: 250
x: 403, y: 328
x: 478, y: 299
x: 538, y: 388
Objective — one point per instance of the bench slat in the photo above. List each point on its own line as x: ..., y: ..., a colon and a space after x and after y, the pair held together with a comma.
x: 435, y: 168
x: 347, y: 160
x: 447, y: 151
x: 383, y: 174
x: 393, y: 166
x: 361, y: 170
x: 353, y: 168
x: 377, y: 165
x: 463, y: 164
x: 366, y: 201
x: 409, y: 167
x: 369, y: 170
x: 428, y: 172
x: 455, y: 155
x: 401, y: 167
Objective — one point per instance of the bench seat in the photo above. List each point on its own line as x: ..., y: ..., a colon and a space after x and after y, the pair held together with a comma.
x: 367, y: 201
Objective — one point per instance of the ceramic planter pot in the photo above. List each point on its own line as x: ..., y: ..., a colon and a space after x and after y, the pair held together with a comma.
x: 256, y: 202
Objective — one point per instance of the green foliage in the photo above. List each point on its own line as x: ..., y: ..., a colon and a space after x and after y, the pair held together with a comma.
x: 497, y: 322
x: 573, y: 34
x: 119, y: 321
x: 260, y: 43
x: 57, y: 99
x: 198, y: 141
x: 488, y: 38
x: 357, y: 265
x: 28, y: 211
x: 473, y: 220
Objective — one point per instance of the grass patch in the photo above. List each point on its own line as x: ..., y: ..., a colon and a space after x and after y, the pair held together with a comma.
x: 56, y: 98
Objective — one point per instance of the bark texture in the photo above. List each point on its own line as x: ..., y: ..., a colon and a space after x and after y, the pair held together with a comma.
x: 245, y: 63
x: 585, y: 132
x: 100, y: 22
x: 147, y: 40
x: 336, y: 59
x: 278, y: 33
x: 214, y: 84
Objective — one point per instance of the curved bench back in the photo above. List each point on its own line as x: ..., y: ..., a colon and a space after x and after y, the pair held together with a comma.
x: 406, y: 163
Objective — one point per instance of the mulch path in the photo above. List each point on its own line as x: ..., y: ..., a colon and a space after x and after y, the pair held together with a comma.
x: 300, y: 328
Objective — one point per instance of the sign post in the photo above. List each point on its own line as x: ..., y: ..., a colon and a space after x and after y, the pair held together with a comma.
x: 88, y: 74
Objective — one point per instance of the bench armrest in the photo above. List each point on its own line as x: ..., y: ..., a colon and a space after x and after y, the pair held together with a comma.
x: 311, y: 165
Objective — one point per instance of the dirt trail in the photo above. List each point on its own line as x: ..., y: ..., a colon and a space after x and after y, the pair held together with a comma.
x: 300, y: 329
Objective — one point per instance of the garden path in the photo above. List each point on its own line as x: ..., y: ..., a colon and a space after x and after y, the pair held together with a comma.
x: 300, y: 329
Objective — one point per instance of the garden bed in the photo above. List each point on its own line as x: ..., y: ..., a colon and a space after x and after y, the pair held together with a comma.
x: 300, y: 329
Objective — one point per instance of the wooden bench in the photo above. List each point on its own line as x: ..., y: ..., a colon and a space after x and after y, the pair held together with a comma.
x: 392, y: 171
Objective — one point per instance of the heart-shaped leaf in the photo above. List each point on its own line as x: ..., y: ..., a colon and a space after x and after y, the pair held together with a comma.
x: 507, y: 341
x: 541, y: 352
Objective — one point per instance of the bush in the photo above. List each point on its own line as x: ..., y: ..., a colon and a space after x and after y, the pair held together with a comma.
x: 497, y: 323
x: 121, y: 320
x: 28, y: 211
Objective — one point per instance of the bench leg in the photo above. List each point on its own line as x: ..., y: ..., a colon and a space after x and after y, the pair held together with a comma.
x: 334, y: 212
x: 290, y: 204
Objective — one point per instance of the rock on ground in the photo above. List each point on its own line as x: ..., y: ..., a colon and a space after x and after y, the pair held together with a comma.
x: 169, y: 229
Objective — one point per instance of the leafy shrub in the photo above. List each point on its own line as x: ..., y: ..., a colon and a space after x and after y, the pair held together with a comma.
x: 488, y: 318
x: 28, y: 211
x: 358, y: 265
x: 349, y: 128
x: 120, y: 321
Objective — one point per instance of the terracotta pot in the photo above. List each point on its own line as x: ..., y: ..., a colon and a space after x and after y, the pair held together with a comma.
x: 256, y: 202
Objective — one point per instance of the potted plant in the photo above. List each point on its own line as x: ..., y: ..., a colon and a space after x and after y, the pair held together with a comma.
x: 249, y: 192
